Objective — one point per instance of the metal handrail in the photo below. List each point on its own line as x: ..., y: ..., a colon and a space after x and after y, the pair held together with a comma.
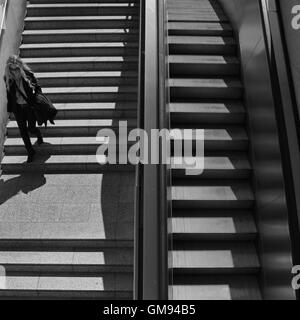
x: 165, y: 169
x: 138, y: 219
x: 151, y: 201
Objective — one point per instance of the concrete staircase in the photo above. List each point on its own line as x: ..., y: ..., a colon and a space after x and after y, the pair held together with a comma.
x: 214, y: 250
x: 66, y: 223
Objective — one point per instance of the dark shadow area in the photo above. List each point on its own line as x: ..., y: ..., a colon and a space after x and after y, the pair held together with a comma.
x: 26, y: 183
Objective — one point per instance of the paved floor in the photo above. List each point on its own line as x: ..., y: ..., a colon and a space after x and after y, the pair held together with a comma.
x: 74, y: 206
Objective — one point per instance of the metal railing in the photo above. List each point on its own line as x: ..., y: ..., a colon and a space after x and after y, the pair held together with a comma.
x: 152, y: 182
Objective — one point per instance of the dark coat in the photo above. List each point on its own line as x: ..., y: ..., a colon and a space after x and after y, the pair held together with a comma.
x: 30, y: 93
x: 42, y: 106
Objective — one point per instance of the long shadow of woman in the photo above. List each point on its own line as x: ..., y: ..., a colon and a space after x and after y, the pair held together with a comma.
x: 27, y: 181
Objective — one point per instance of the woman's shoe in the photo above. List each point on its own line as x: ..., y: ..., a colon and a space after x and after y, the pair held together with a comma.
x: 31, y: 156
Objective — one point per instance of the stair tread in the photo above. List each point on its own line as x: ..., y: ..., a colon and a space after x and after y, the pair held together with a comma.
x: 213, y: 107
x: 39, y: 229
x: 196, y: 17
x: 132, y: 44
x: 47, y: 60
x: 222, y: 224
x: 202, y: 59
x: 63, y: 141
x: 106, y: 256
x: 108, y: 282
x: 209, y: 83
x: 214, y: 287
x: 216, y: 163
x: 81, y: 5
x: 52, y: 159
x: 226, y: 192
x: 82, y: 123
x: 214, y: 256
x: 224, y: 134
x: 202, y: 40
x: 198, y: 26
x: 86, y: 74
x: 72, y: 90
x: 83, y: 18
x: 79, y: 31
x: 97, y: 106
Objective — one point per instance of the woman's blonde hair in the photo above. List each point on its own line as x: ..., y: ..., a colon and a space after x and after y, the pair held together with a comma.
x: 14, y: 62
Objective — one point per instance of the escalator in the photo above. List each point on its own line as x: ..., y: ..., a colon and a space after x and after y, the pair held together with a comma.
x: 229, y: 233
x: 214, y: 231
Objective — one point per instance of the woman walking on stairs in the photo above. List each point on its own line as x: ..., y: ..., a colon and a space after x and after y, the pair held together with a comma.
x: 22, y: 86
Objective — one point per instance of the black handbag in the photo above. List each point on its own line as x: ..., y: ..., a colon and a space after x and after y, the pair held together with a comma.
x: 44, y: 109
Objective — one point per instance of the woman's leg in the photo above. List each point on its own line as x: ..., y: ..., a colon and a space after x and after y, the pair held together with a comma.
x: 20, y: 116
x: 33, y: 129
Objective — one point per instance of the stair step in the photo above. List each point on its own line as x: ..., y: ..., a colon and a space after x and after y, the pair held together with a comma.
x: 91, y: 94
x: 80, y: 35
x: 68, y: 214
x: 106, y: 286
x: 81, y: 146
x: 100, y: 110
x: 87, y: 78
x: 231, y: 138
x: 208, y: 112
x: 197, y: 17
x: 52, y: 64
x: 226, y: 167
x: 202, y: 45
x: 87, y: 1
x: 60, y: 164
x: 78, y: 49
x: 193, y: 65
x: 116, y: 110
x: 103, y: 260
x: 212, y: 194
x: 216, y: 287
x: 195, y: 89
x: 214, y: 227
x: 199, y: 29
x: 215, y: 258
x: 67, y: 128
x: 83, y: 9
x: 79, y: 22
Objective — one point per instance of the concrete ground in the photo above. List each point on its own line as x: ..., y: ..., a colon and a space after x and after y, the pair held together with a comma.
x: 73, y: 206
